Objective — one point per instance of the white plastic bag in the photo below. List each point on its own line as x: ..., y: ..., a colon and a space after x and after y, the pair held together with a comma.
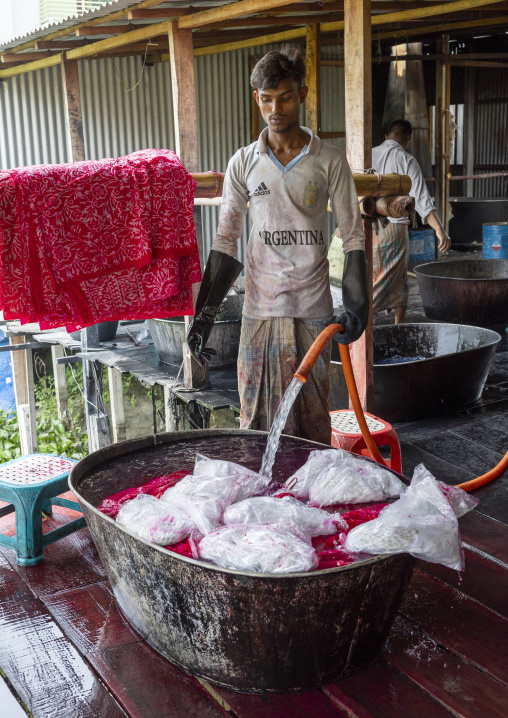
x: 153, y: 520
x: 247, y: 482
x: 421, y: 523
x: 202, y: 498
x: 286, y: 512
x: 258, y: 548
x: 335, y: 476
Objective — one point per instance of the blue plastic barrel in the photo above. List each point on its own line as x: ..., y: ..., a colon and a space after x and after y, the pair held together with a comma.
x: 422, y: 245
x: 495, y: 240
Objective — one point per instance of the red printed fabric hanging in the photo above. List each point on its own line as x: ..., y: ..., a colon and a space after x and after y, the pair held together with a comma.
x: 96, y: 241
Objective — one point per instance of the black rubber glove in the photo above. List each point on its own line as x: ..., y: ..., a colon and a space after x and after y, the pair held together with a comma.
x: 355, y: 298
x: 221, y: 272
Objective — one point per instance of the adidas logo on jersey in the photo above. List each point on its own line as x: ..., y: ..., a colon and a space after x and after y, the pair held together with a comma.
x: 262, y: 189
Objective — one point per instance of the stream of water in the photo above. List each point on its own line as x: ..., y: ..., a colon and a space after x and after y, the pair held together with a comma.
x: 279, y: 422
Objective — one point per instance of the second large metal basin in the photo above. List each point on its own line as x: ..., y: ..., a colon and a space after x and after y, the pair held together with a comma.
x: 423, y: 369
x: 249, y: 632
x: 465, y: 291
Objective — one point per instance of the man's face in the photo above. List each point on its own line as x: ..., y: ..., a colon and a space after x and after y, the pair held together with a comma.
x: 281, y: 107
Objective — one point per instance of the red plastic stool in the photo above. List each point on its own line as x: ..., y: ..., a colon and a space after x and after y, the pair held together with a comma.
x: 346, y: 435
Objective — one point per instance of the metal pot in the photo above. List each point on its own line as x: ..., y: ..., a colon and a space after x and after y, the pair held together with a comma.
x: 447, y: 368
x: 465, y: 291
x: 249, y: 632
x: 169, y: 334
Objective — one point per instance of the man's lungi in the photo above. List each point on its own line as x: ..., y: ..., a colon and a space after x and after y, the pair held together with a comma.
x: 270, y: 353
x: 390, y: 256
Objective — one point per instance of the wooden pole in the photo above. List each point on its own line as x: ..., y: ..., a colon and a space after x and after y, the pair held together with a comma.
x: 73, y: 114
x: 255, y: 111
x: 97, y: 422
x: 117, y: 407
x: 313, y: 78
x: 23, y: 376
x: 62, y: 399
x: 358, y: 97
x: 183, y: 87
x: 469, y: 128
x: 442, y: 132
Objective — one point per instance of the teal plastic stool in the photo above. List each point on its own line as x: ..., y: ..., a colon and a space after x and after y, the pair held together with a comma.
x: 31, y: 484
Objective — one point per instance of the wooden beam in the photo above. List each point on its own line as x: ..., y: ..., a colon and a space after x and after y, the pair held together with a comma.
x: 59, y: 44
x: 31, y: 66
x: 227, y: 12
x: 73, y: 115
x: 24, y: 57
x: 335, y: 27
x: 117, y: 15
x: 267, y: 21
x: 440, y: 28
x: 127, y: 38
x: 358, y: 100
x: 105, y: 30
x: 312, y: 78
x: 254, y: 42
x: 422, y: 11
x: 157, y: 14
x: 476, y: 63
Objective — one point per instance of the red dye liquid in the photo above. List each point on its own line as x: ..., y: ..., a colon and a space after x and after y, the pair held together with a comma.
x: 156, y: 487
x: 330, y: 550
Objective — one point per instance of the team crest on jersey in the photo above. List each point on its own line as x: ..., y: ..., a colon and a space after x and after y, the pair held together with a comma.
x: 310, y: 194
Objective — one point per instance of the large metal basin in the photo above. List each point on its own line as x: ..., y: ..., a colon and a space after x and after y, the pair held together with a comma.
x: 465, y: 291
x: 448, y: 368
x: 249, y: 632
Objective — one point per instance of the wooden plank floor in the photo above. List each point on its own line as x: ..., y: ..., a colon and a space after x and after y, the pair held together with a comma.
x: 67, y: 651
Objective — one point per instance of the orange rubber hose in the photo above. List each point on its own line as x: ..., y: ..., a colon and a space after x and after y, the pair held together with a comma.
x: 486, y: 478
x: 305, y: 368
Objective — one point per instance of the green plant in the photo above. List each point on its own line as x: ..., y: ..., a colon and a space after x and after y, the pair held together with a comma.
x: 10, y: 446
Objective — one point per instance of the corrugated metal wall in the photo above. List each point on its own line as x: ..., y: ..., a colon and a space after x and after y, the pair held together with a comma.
x: 128, y: 107
x: 491, y: 130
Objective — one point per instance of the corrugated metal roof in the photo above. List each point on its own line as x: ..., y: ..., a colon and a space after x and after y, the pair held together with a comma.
x: 106, y: 9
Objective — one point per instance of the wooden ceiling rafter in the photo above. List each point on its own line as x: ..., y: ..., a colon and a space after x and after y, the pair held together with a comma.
x: 241, y: 16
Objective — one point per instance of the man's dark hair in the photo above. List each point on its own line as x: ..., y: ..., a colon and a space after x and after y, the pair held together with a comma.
x: 402, y: 128
x: 274, y: 67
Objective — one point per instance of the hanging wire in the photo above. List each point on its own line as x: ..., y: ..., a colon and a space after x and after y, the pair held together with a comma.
x: 117, y: 70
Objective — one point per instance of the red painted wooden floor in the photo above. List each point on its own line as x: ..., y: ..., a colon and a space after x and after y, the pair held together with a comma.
x: 68, y: 653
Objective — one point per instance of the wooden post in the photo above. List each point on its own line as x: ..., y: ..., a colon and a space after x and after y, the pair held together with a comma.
x: 313, y: 78
x: 358, y: 96
x: 183, y: 87
x: 117, y: 408
x: 442, y: 155
x: 97, y: 421
x: 62, y: 402
x: 255, y: 112
x: 23, y: 377
x: 73, y: 115
x: 469, y: 101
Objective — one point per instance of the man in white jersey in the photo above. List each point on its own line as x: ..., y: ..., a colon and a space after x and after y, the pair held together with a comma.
x: 287, y: 176
x: 390, y: 244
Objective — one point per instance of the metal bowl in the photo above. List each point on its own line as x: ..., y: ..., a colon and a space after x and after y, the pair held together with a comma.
x: 249, y: 632
x: 465, y: 291
x: 423, y: 369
